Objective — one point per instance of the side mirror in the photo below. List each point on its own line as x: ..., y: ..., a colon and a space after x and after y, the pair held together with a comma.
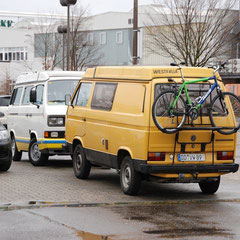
x: 33, y: 95
x: 1, y: 115
x: 68, y: 99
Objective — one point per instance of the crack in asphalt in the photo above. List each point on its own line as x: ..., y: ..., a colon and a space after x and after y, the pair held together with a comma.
x: 78, y: 233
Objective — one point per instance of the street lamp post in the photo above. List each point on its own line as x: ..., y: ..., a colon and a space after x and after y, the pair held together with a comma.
x: 68, y: 3
x: 62, y: 29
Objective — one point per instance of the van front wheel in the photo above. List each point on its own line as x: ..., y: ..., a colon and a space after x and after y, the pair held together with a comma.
x: 130, y: 179
x: 81, y: 165
x: 35, y: 156
x: 209, y: 187
x: 16, y: 155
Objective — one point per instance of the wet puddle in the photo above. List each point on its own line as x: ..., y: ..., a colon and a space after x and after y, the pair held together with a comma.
x: 176, y: 221
x: 91, y: 236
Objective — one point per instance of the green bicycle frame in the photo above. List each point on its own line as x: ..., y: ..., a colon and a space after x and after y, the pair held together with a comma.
x: 184, y: 86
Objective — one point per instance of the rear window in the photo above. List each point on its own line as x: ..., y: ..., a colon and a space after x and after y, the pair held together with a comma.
x: 4, y: 101
x: 194, y: 90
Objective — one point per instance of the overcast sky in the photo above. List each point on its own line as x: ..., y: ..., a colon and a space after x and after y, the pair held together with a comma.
x: 45, y: 6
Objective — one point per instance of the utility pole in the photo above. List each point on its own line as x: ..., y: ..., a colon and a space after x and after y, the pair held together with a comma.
x: 135, y: 33
x: 68, y: 3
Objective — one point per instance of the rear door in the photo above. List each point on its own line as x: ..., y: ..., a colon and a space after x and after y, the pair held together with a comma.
x: 188, y: 146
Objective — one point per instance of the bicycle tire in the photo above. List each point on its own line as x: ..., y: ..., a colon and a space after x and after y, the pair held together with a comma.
x: 161, y: 114
x: 219, y: 109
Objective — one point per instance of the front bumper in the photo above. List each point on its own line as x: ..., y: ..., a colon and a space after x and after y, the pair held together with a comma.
x: 52, y: 146
x: 5, y: 152
x: 177, y: 169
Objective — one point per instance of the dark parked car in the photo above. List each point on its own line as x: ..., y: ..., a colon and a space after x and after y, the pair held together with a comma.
x: 5, y: 149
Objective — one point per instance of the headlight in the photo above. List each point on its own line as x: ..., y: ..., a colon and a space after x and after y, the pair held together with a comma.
x: 4, y: 136
x: 56, y: 121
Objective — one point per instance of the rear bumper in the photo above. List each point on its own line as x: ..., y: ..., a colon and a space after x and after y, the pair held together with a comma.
x: 151, y: 169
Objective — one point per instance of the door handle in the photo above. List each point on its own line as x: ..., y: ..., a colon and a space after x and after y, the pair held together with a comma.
x: 84, y: 119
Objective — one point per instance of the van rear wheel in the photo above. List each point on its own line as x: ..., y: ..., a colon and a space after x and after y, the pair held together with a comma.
x: 35, y: 156
x: 130, y: 179
x: 209, y: 187
x: 81, y: 165
x: 16, y: 155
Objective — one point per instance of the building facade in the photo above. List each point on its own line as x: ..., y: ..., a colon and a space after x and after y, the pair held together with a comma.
x: 111, y: 32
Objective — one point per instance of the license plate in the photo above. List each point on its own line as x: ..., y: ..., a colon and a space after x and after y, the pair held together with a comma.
x: 199, y: 157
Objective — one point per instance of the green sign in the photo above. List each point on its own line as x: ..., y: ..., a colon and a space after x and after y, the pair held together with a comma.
x: 6, y: 23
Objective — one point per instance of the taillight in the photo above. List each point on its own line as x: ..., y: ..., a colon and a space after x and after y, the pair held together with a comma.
x: 224, y: 155
x: 156, y: 156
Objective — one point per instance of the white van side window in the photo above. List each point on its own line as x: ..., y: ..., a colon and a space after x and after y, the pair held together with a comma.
x: 103, y: 96
x: 83, y: 94
x: 39, y: 90
x: 16, y: 97
x: 26, y: 96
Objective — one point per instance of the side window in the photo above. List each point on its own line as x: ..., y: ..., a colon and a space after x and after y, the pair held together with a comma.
x: 4, y: 101
x: 83, y: 94
x: 103, y: 96
x: 26, y: 96
x: 16, y: 96
x: 39, y: 90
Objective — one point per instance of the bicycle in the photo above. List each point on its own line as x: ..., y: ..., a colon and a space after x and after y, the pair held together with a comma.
x: 170, y: 110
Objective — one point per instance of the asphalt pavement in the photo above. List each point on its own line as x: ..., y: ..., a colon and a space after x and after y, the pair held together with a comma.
x: 51, y: 203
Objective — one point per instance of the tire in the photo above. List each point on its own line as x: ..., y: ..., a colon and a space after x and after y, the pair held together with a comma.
x: 209, y: 187
x: 81, y: 165
x: 161, y: 114
x: 35, y: 156
x: 6, y: 165
x: 219, y: 109
x: 16, y: 155
x: 130, y: 179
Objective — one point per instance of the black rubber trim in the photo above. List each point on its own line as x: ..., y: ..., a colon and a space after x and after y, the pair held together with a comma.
x: 223, y: 168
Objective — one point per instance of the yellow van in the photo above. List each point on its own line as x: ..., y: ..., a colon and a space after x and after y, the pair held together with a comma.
x: 109, y: 123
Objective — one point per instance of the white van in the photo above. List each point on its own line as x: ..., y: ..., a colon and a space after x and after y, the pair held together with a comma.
x: 36, y: 119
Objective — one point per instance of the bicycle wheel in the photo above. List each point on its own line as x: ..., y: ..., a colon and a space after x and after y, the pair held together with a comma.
x: 166, y: 122
x: 221, y: 108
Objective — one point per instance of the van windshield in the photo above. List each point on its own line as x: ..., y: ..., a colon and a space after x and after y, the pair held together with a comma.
x: 57, y: 89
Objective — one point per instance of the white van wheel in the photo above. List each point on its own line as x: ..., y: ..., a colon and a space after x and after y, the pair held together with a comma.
x: 129, y: 178
x: 35, y: 156
x: 81, y: 165
x: 16, y: 155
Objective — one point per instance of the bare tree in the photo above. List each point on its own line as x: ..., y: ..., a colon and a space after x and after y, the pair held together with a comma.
x: 84, y: 50
x: 47, y: 42
x: 191, y: 31
x: 7, y: 84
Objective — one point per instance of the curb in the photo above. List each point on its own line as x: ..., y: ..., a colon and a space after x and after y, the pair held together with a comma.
x: 45, y: 204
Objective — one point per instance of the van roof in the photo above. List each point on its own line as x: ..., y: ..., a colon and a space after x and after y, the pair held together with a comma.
x: 146, y: 73
x: 43, y: 76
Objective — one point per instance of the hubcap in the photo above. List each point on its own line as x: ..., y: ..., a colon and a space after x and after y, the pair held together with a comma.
x: 79, y: 160
x: 35, y: 153
x: 126, y: 176
x: 13, y: 147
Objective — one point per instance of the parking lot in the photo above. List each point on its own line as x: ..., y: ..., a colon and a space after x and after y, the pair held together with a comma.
x: 56, y: 182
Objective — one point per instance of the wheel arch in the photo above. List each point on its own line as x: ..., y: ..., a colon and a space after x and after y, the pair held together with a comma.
x: 123, y: 152
x: 75, y: 142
